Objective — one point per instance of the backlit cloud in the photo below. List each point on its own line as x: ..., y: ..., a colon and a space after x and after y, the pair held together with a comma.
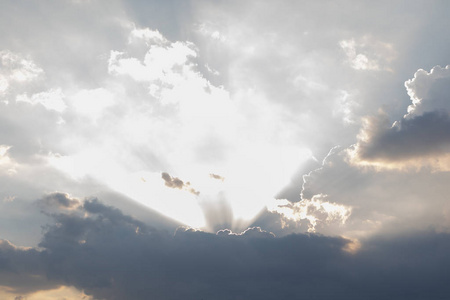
x: 421, y: 137
x: 205, y: 127
x: 110, y: 255
x: 176, y: 183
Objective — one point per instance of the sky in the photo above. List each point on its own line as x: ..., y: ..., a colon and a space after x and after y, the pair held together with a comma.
x: 224, y: 149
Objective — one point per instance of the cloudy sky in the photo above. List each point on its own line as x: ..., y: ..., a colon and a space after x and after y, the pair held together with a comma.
x: 194, y: 149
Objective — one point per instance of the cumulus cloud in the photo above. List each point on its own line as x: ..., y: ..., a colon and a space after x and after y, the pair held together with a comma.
x: 58, y: 201
x: 317, y: 211
x: 227, y: 87
x: 369, y: 200
x: 165, y: 62
x: 421, y: 137
x: 110, y: 255
x: 429, y: 91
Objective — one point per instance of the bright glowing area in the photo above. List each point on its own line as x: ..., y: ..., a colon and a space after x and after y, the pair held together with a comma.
x: 189, y: 129
x: 62, y: 292
x: 52, y: 100
x: 315, y: 210
x: 247, y: 184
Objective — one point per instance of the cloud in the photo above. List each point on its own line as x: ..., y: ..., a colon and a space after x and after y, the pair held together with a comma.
x: 100, y: 102
x: 215, y: 176
x: 252, y: 232
x: 110, y: 255
x: 421, y: 137
x: 429, y: 91
x: 176, y: 183
x: 417, y: 141
x: 316, y: 211
x: 17, y: 68
x: 52, y: 100
x: 58, y: 201
x: 21, y: 269
x: 381, y: 201
x: 368, y: 53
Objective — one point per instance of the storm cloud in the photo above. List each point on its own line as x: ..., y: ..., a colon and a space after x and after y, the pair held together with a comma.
x: 110, y: 255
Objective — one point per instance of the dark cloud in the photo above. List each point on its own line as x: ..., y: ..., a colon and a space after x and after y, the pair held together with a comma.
x: 172, y: 182
x: 421, y: 137
x: 58, y: 201
x: 424, y: 135
x: 386, y: 201
x: 22, y: 269
x: 177, y: 183
x: 215, y: 176
x: 113, y: 256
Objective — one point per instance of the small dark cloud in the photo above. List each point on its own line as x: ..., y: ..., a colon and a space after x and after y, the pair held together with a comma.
x: 172, y: 182
x: 215, y: 176
x: 177, y: 183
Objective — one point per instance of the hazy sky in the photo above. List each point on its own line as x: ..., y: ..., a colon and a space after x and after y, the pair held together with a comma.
x: 224, y: 149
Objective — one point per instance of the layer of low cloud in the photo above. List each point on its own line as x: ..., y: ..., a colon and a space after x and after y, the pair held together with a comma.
x: 110, y: 255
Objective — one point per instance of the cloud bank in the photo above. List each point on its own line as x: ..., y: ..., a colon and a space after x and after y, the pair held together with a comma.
x: 110, y: 255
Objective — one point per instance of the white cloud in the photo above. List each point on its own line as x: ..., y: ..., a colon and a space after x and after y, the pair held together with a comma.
x: 429, y: 91
x: 147, y: 35
x: 3, y: 83
x: 317, y: 211
x: 164, y: 62
x: 51, y: 100
x: 7, y: 164
x: 92, y: 103
x: 368, y: 53
x: 18, y: 68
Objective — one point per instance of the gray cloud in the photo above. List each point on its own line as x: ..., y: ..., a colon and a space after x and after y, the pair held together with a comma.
x: 177, y: 183
x: 58, y: 201
x: 424, y: 135
x: 215, y: 176
x: 22, y: 269
x: 421, y: 137
x: 382, y: 201
x: 172, y: 182
x: 302, y: 88
x: 113, y: 256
